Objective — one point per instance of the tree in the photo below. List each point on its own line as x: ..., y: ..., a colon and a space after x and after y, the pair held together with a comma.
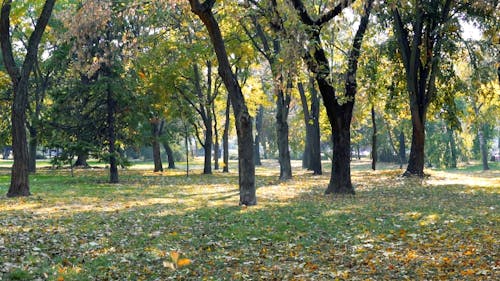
x: 338, y: 107
x: 420, y: 51
x: 19, y: 185
x: 270, y: 48
x: 246, y: 166
x: 312, y: 151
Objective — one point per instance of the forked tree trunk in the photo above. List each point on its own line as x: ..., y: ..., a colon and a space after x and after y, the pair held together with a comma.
x: 19, y: 185
x: 243, y: 120
x: 339, y: 113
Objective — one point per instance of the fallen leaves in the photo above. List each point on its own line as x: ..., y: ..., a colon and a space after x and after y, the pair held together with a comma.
x: 159, y: 227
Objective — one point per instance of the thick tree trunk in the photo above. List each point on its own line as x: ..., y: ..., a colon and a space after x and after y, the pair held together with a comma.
x: 155, y: 142
x: 374, y: 140
x: 19, y: 185
x: 243, y: 120
x: 33, y: 143
x: 170, y: 155
x: 113, y: 163
x: 81, y: 160
x: 282, y: 108
x: 416, y: 161
x: 340, y: 179
x: 258, y: 133
x: 225, y: 138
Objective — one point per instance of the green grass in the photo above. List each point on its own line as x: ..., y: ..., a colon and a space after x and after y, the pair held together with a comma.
x: 82, y: 228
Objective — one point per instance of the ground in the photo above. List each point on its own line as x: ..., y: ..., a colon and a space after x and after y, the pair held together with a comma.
x: 162, y: 226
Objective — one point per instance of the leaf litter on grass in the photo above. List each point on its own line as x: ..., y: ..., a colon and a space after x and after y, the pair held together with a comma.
x: 164, y: 226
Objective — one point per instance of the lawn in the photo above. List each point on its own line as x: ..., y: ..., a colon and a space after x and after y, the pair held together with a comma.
x: 162, y: 226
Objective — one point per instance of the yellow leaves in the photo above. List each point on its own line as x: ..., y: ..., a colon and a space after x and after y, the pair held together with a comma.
x: 176, y: 262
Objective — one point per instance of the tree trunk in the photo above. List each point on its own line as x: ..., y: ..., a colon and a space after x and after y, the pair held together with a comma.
x: 483, y: 148
x: 155, y: 142
x: 33, y: 143
x: 19, y: 185
x: 402, y: 149
x: 81, y: 160
x: 258, y: 129
x: 306, y: 156
x: 207, y: 147
x: 111, y: 108
x: 416, y: 161
x: 225, y: 138
x: 170, y: 155
x: 282, y: 108
x: 374, y: 140
x: 453, y: 149
x: 340, y: 179
x: 243, y: 120
x: 312, y: 153
x: 216, y: 137
x: 315, y: 138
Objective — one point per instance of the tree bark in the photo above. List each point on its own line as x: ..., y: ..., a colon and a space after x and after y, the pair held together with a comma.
x: 242, y: 117
x: 216, y: 138
x: 155, y: 142
x: 225, y: 138
x: 374, y: 140
x: 282, y: 109
x: 453, y: 149
x: 170, y: 155
x: 258, y: 133
x: 19, y: 185
x: 81, y: 160
x: 312, y: 153
x: 482, y: 147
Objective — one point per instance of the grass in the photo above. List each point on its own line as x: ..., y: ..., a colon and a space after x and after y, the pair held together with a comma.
x: 165, y: 226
